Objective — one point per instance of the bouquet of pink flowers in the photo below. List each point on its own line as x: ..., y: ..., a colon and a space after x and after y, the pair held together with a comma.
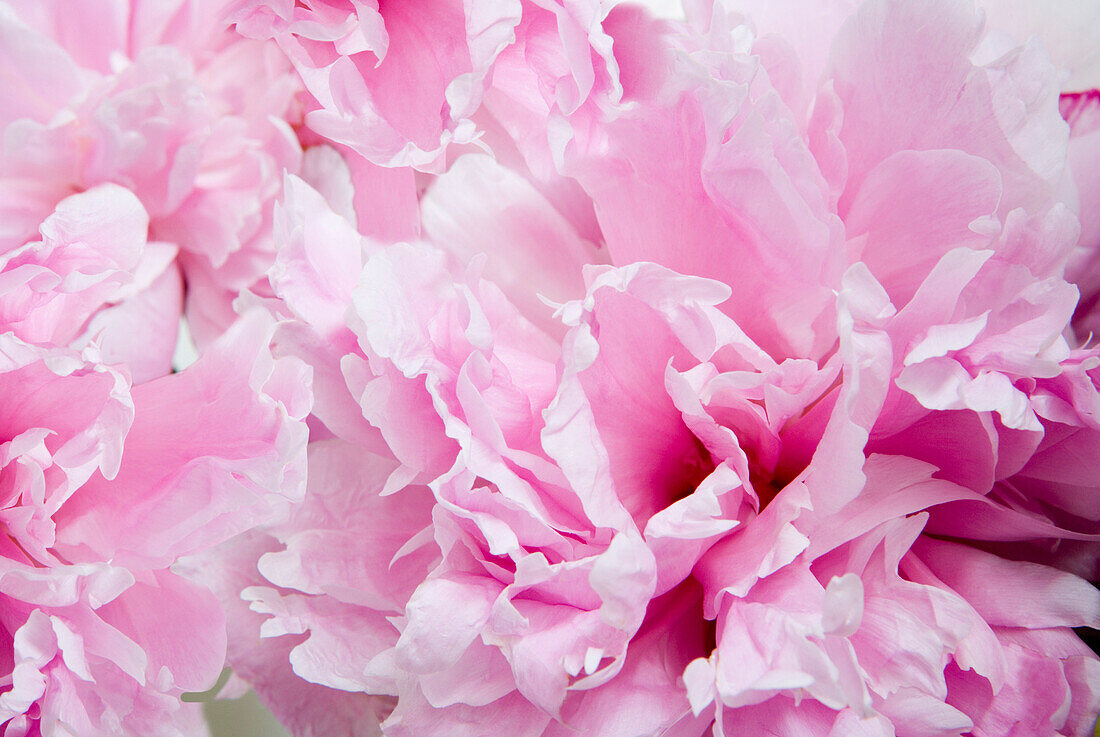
x: 551, y: 368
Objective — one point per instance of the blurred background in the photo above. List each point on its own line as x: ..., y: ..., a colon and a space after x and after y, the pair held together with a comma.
x: 243, y: 717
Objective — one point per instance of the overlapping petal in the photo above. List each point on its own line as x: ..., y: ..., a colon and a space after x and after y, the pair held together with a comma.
x: 728, y: 374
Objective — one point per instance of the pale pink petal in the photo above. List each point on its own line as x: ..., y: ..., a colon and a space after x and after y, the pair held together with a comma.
x: 478, y: 207
x: 40, y: 76
x: 1030, y: 596
x: 241, y: 457
x: 730, y: 183
x: 888, y: 104
x: 1067, y: 30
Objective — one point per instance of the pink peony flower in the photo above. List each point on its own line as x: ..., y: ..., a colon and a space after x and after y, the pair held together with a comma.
x: 359, y: 60
x: 104, y: 490
x: 165, y: 102
x: 729, y: 374
x: 95, y: 277
x: 792, y: 439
